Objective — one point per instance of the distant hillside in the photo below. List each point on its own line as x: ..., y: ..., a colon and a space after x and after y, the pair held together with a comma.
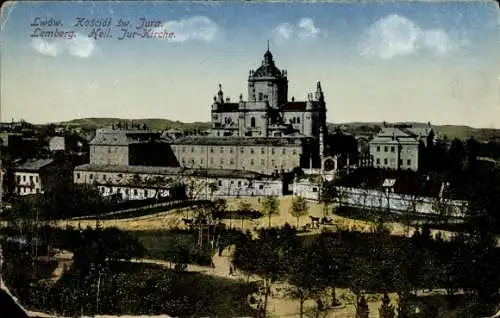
x: 451, y: 131
x: 151, y: 123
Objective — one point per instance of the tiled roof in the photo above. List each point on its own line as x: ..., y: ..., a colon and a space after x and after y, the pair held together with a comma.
x: 221, y: 173
x: 239, y: 141
x: 294, y: 106
x: 33, y: 164
x: 123, y: 137
x: 228, y: 107
x: 401, y: 135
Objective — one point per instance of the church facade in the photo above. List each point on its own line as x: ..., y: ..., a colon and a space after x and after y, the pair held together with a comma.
x: 268, y: 112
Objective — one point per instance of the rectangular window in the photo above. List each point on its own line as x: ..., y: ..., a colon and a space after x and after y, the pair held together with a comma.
x: 251, y: 162
x: 31, y: 178
x: 36, y: 179
x: 231, y: 150
x: 192, y: 149
x: 24, y: 178
x: 220, y: 183
x: 104, y: 177
x: 18, y: 179
x: 91, y: 176
x: 378, y: 161
x: 239, y: 183
x: 272, y: 163
x: 211, y: 150
x: 385, y: 161
x: 262, y: 150
x: 221, y: 161
x: 135, y: 191
x: 78, y: 175
x: 231, y: 161
x: 201, y: 161
x: 283, y: 151
x: 242, y: 149
x: 145, y: 193
x: 262, y: 162
x: 251, y: 150
x: 408, y: 162
x: 126, y: 191
x: 385, y: 149
x: 378, y: 148
x: 272, y: 151
x: 298, y: 120
x: 294, y: 152
x: 400, y: 162
x: 221, y: 149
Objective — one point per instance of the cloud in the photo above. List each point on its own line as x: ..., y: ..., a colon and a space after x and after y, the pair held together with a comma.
x: 303, y: 30
x: 46, y: 48
x: 197, y: 28
x: 395, y: 35
x: 80, y: 46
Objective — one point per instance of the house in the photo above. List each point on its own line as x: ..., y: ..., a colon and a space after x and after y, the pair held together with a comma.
x: 147, y: 182
x: 401, y: 146
x: 39, y: 175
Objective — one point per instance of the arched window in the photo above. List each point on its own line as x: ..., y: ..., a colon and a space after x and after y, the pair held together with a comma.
x: 252, y: 122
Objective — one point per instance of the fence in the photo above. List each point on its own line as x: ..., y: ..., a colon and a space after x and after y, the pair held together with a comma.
x: 376, y: 199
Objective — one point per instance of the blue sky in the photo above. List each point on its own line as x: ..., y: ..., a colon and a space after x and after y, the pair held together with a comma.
x: 388, y: 61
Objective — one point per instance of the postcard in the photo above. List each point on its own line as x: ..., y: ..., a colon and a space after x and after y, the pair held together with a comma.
x: 249, y: 159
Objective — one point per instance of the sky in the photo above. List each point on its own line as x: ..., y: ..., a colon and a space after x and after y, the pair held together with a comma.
x: 385, y: 61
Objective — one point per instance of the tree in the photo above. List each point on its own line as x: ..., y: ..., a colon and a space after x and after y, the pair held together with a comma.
x: 244, y: 206
x: 303, y: 278
x: 275, y: 248
x: 328, y: 196
x: 456, y: 155
x: 270, y: 206
x: 386, y: 310
x: 299, y: 208
x: 362, y: 308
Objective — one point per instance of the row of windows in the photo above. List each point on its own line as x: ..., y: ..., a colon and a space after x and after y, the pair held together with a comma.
x: 192, y: 162
x: 295, y: 120
x: 386, y: 149
x: 24, y: 178
x: 408, y: 162
x: 23, y: 190
x: 242, y: 150
x: 127, y: 191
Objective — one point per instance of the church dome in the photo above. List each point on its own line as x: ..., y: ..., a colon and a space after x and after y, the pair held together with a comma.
x: 267, y: 69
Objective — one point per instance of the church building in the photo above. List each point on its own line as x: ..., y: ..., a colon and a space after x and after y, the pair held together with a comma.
x: 267, y: 133
x: 268, y: 112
